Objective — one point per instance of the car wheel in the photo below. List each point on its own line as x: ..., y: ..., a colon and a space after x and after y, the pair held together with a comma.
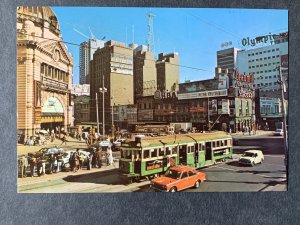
x: 173, y: 189
x: 197, y: 184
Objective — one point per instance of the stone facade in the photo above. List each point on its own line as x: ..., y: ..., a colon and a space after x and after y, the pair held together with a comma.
x: 44, y: 72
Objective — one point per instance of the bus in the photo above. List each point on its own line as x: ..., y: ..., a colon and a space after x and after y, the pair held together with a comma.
x: 149, y: 157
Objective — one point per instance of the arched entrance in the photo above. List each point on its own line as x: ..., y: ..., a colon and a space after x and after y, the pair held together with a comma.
x: 52, y: 114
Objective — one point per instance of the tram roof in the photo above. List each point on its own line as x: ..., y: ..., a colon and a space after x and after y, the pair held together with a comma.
x: 178, y: 139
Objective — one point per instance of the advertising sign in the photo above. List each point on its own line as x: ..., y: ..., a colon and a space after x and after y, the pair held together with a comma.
x: 145, y: 114
x: 225, y: 106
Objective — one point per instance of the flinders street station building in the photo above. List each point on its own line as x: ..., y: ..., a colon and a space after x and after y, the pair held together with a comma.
x: 44, y: 73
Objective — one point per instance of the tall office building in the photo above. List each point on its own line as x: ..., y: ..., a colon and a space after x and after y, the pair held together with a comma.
x: 167, y: 71
x: 144, y: 71
x: 111, y: 68
x: 86, y: 51
x: 227, y: 59
x: 263, y: 62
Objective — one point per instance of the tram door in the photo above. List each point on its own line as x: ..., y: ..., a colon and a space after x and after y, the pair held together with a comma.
x: 182, y: 154
x: 196, y: 153
x: 208, y: 151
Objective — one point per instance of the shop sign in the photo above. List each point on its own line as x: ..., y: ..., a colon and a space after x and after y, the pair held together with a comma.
x: 225, y: 106
x: 263, y: 39
x: 245, y: 93
x: 197, y: 109
x: 202, y: 94
x: 165, y: 94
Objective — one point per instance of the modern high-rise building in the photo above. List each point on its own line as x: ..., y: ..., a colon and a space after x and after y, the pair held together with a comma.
x: 86, y: 51
x: 111, y: 68
x: 44, y: 72
x: 167, y: 71
x: 227, y: 59
x: 144, y: 71
x: 263, y: 62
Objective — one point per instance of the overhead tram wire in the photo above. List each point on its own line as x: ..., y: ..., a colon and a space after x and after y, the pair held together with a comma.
x: 75, y: 44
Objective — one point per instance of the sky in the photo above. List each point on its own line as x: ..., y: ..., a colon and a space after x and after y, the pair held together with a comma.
x: 196, y: 34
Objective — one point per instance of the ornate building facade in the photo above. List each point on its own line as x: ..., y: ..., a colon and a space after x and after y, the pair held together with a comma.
x: 44, y: 72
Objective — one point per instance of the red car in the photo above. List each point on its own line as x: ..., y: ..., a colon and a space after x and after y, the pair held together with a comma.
x: 178, y: 178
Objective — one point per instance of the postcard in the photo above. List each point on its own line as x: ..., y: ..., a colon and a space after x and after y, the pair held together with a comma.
x: 123, y: 99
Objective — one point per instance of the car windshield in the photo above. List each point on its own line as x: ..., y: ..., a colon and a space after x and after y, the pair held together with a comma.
x: 249, y: 154
x: 173, y: 174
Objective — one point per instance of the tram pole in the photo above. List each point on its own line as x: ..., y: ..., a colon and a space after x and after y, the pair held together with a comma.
x: 282, y: 85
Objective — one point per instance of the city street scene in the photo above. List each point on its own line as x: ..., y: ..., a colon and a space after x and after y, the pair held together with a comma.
x: 151, y: 100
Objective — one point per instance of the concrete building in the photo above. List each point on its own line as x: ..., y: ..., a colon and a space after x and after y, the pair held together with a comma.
x: 144, y: 71
x: 227, y: 59
x: 86, y: 52
x: 263, y: 63
x: 44, y: 72
x: 167, y: 71
x: 81, y: 99
x: 111, y: 68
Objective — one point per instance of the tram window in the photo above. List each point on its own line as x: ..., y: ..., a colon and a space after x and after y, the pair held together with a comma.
x: 203, y: 147
x: 174, y: 150
x: 146, y: 154
x: 192, y: 149
x: 161, y: 152
x: 222, y: 143
x: 225, y: 142
x: 154, y: 153
x: 188, y: 149
x: 214, y: 144
x: 168, y: 151
x: 218, y: 143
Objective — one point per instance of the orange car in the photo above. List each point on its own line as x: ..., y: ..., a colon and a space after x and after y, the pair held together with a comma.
x: 178, y: 178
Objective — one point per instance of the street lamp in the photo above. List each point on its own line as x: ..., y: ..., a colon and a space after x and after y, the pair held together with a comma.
x: 112, y: 118
x: 103, y: 90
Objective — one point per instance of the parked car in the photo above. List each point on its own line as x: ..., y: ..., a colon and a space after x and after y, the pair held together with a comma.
x: 54, y: 150
x: 178, y: 178
x: 278, y: 132
x: 66, y: 158
x: 251, y: 157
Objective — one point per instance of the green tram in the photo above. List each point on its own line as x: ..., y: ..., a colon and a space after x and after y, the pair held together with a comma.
x: 152, y: 156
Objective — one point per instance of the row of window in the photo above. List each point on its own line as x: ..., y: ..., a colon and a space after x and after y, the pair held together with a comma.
x: 268, y: 77
x: 267, y: 109
x: 54, y: 73
x: 266, y: 64
x: 266, y: 51
x: 265, y: 84
x: 265, y: 58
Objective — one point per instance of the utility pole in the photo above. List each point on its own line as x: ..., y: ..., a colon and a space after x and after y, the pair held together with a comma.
x: 98, y: 131
x: 283, y: 89
x: 208, y: 116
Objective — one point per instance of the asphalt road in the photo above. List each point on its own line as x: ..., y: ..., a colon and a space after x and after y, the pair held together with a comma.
x: 224, y: 177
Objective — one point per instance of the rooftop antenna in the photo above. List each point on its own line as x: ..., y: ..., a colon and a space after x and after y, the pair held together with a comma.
x: 150, y: 36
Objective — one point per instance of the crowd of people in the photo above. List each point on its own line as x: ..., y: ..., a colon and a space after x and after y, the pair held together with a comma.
x: 41, y: 164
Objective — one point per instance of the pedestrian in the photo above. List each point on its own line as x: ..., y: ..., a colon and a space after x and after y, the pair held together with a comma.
x: 243, y: 130
x: 59, y: 163
x: 94, y: 160
x: 32, y: 163
x: 43, y: 159
x: 81, y: 160
x: 64, y: 139
x: 23, y: 163
x: 51, y: 163
x: 109, y: 156
x: 249, y: 129
x: 76, y: 161
x: 39, y: 166
x: 90, y: 158
x: 99, y: 157
x: 71, y: 162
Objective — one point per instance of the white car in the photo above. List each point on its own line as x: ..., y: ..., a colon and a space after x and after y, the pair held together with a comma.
x: 66, y: 157
x: 278, y: 132
x: 251, y: 157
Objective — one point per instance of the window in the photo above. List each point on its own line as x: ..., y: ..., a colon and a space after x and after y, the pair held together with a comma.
x: 192, y: 149
x: 225, y: 142
x: 168, y: 151
x: 153, y: 153
x: 161, y: 152
x: 260, y: 52
x: 277, y: 49
x: 146, y: 154
x: 270, y: 77
x: 269, y: 50
x: 273, y: 50
x: 269, y: 57
x: 184, y: 175
x: 174, y: 150
x: 191, y: 173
